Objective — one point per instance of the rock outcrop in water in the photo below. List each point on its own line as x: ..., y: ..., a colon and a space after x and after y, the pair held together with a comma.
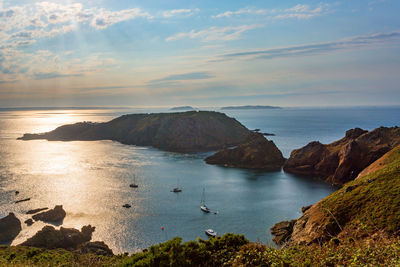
x: 180, y: 132
x: 54, y: 215
x: 68, y: 238
x: 367, y: 207
x: 343, y: 160
x: 10, y: 226
x: 255, y: 153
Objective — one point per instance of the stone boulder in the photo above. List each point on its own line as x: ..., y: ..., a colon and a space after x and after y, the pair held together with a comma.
x: 54, y: 215
x: 282, y: 232
x: 10, y: 226
x: 255, y: 153
x: 67, y: 238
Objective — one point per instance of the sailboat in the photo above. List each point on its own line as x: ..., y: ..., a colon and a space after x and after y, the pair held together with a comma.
x: 177, y: 189
x: 134, y: 185
x: 203, y: 206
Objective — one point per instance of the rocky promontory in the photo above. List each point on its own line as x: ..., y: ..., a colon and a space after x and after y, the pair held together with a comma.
x: 192, y: 131
x: 255, y: 153
x: 342, y: 161
x: 366, y: 208
x: 10, y: 226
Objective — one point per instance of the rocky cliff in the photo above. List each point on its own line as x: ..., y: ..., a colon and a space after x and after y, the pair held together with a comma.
x: 368, y: 207
x: 343, y: 160
x: 180, y: 132
x: 255, y: 153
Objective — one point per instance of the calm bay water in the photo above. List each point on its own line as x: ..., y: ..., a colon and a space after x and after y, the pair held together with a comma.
x: 91, y: 179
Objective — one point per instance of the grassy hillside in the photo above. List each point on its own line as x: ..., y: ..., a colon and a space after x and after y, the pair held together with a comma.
x: 366, y: 207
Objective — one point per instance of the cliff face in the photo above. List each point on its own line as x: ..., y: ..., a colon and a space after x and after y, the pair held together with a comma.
x: 367, y: 207
x: 343, y: 160
x: 255, y: 153
x: 180, y: 132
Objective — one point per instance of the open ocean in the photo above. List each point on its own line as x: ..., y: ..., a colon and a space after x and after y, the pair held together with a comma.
x: 91, y: 179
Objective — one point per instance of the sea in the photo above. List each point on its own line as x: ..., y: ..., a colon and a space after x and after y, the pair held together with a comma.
x: 91, y: 178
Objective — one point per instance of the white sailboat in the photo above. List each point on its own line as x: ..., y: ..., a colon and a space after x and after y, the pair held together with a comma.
x: 203, y: 206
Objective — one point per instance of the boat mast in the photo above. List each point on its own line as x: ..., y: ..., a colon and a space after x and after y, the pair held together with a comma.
x: 203, y: 197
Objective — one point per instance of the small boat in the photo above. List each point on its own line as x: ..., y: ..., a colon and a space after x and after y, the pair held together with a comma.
x: 134, y: 185
x: 177, y: 189
x: 203, y: 206
x: 211, y: 232
x: 126, y: 206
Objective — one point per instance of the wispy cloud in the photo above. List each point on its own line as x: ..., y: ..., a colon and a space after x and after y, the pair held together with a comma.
x: 310, y: 49
x: 176, y: 12
x: 215, y: 33
x: 105, y: 18
x: 247, y: 11
x: 185, y: 76
x: 299, y: 11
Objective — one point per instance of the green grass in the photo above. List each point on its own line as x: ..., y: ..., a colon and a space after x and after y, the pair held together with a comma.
x: 374, y: 203
x: 229, y: 250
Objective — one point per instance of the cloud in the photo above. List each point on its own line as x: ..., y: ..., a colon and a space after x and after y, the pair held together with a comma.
x: 24, y: 25
x: 52, y: 75
x: 105, y: 18
x: 298, y: 11
x: 185, y: 76
x: 215, y: 33
x: 175, y: 12
x: 310, y: 49
x: 247, y: 11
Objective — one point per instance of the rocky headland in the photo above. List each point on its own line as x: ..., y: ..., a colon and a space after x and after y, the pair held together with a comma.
x: 192, y: 131
x: 255, y: 153
x: 366, y: 208
x: 342, y: 161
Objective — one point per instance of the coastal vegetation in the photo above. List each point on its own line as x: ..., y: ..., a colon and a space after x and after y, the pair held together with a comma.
x: 228, y: 250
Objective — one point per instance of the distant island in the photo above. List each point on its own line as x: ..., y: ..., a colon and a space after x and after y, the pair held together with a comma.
x: 249, y: 107
x: 183, y: 108
x: 192, y: 131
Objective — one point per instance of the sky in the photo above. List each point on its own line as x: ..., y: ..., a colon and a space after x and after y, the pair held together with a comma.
x: 199, y: 52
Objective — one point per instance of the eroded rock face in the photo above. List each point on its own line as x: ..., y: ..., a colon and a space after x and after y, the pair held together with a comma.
x: 54, y: 215
x: 10, y: 226
x: 255, y: 153
x: 282, y: 232
x: 67, y: 238
x: 343, y: 160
